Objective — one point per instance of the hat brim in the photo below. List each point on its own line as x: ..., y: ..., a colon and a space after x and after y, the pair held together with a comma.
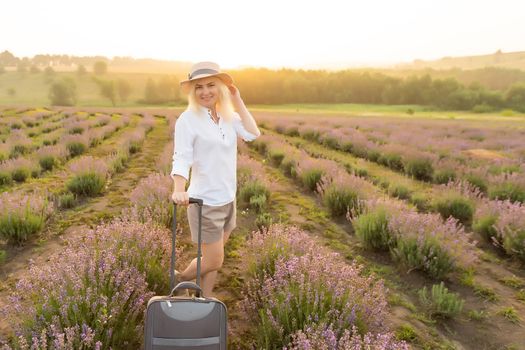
x: 225, y: 78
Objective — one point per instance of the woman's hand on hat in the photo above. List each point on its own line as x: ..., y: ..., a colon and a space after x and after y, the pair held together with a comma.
x: 181, y: 198
x: 234, y: 90
x: 235, y: 95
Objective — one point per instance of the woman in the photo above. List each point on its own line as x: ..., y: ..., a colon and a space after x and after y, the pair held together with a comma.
x: 206, y: 141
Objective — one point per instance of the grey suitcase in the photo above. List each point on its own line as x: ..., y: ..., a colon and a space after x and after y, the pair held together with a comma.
x: 185, y: 322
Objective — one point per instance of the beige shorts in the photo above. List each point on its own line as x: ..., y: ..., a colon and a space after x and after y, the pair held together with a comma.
x: 215, y: 221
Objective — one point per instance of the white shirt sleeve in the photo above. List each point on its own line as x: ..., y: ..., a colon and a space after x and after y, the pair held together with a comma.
x: 182, y: 148
x: 241, y: 130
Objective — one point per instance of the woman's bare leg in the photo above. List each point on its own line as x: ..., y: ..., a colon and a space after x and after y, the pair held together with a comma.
x: 211, y: 262
x: 212, y: 258
x: 226, y: 236
x: 208, y: 279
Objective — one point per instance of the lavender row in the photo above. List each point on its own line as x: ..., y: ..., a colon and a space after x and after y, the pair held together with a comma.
x: 465, y: 202
x: 501, y: 222
x: 47, y: 157
x: 301, y: 296
x: 445, y: 138
x: 18, y: 143
x: 501, y: 177
x: 253, y: 192
x: 347, y: 194
x: 92, y: 295
x: 87, y: 177
x: 25, y: 119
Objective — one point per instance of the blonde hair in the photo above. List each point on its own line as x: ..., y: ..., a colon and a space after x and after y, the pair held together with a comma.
x: 224, y: 104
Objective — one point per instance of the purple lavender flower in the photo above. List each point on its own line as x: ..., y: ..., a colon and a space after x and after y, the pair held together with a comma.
x: 93, y: 293
x: 295, y: 284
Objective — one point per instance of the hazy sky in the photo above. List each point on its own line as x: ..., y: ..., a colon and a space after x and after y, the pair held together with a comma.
x: 270, y: 33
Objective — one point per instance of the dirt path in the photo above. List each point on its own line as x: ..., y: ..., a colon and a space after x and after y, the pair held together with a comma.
x: 68, y: 223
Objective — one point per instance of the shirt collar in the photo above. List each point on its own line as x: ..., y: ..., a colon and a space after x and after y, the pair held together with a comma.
x: 208, y: 114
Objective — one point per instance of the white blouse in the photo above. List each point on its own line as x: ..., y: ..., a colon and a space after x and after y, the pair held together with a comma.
x: 210, y: 150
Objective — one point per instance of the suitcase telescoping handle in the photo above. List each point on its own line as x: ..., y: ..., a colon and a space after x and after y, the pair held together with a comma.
x: 186, y: 285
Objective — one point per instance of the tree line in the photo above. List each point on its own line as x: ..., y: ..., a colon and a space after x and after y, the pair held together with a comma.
x: 264, y: 86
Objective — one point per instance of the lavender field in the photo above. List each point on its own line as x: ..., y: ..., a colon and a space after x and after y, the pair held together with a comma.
x: 354, y: 232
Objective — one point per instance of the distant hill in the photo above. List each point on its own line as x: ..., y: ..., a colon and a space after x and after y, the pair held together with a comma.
x: 509, y: 60
x: 67, y: 63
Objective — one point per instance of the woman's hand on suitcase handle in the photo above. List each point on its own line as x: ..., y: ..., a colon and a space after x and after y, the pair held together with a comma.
x: 181, y: 198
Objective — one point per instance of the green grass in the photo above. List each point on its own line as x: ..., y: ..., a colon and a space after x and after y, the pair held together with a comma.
x: 235, y: 242
x: 382, y: 110
x: 510, y: 314
x: 478, y: 316
x: 485, y: 293
x: 407, y: 333
x: 513, y: 282
x: 341, y: 107
x: 397, y: 299
x: 467, y: 278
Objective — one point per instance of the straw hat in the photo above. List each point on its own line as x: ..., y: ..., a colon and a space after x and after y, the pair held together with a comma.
x: 204, y: 70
